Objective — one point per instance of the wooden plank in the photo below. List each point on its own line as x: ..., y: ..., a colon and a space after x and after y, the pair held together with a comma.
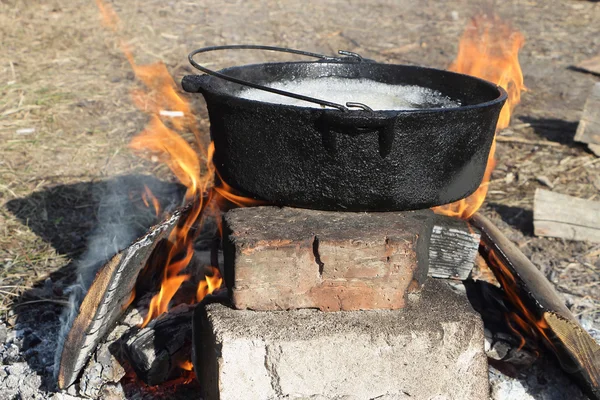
x: 107, y: 299
x: 590, y: 65
x: 594, y: 148
x: 452, y: 248
x: 533, y: 282
x: 559, y: 215
x: 588, y: 130
x: 577, y: 351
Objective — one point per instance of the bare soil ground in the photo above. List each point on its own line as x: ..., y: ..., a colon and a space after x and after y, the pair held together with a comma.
x: 66, y: 116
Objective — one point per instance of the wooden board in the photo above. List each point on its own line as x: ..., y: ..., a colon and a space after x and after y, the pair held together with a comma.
x: 590, y: 65
x: 594, y: 148
x: 577, y: 351
x: 588, y: 130
x: 106, y: 300
x: 559, y: 215
x: 531, y: 279
x: 580, y: 352
x: 452, y: 248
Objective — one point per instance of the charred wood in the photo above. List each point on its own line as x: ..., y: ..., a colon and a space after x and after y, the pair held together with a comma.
x: 578, y: 353
x: 158, y: 351
x: 452, y: 248
x: 107, y: 299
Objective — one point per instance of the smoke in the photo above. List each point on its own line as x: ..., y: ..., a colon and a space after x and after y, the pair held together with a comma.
x: 122, y: 217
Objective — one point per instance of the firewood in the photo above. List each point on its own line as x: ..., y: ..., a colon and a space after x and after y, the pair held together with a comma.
x: 559, y: 215
x: 578, y: 353
x: 588, y: 130
x: 107, y: 299
x: 452, y: 248
x: 158, y: 350
x: 590, y: 65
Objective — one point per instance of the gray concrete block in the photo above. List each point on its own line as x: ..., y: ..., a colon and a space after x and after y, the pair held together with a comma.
x: 432, y: 349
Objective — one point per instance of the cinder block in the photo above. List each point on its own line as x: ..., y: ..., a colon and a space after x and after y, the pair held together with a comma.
x: 432, y: 349
x: 286, y: 258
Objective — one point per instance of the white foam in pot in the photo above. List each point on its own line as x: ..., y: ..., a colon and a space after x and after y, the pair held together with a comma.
x: 377, y: 95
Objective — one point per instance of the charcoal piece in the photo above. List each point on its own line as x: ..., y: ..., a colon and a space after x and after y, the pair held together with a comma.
x: 158, y: 351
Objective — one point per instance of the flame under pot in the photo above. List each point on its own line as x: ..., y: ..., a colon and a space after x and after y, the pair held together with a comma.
x: 355, y: 160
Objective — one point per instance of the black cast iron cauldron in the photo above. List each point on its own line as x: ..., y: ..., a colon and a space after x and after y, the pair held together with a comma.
x: 339, y: 158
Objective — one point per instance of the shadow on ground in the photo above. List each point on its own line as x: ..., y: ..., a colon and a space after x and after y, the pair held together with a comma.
x: 517, y: 217
x: 85, y: 221
x: 66, y: 215
x: 554, y: 130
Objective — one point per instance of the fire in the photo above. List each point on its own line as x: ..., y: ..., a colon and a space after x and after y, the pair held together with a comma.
x: 186, y: 365
x: 212, y: 281
x: 521, y: 320
x: 148, y: 197
x: 163, y: 140
x: 188, y: 369
x: 488, y: 49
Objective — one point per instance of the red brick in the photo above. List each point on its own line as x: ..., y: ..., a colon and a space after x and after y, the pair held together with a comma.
x: 285, y: 258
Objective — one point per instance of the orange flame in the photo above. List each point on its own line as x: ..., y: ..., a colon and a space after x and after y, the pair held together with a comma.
x: 186, y: 365
x: 166, y: 144
x: 521, y: 321
x: 488, y: 49
x: 148, y: 197
x: 171, y: 119
x: 188, y: 375
x: 212, y: 281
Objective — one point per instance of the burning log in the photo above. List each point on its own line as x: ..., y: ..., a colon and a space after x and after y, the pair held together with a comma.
x: 546, y: 316
x: 108, y: 297
x: 159, y: 351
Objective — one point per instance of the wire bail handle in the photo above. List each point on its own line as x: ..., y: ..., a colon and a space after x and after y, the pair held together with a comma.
x: 348, y: 56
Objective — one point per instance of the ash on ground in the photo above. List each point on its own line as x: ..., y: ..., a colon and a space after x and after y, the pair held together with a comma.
x: 28, y: 340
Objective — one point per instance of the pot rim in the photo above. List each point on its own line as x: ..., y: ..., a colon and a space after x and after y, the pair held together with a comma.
x: 200, y: 87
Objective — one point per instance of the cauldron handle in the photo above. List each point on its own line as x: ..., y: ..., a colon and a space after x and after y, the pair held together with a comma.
x: 360, y: 123
x: 347, y: 57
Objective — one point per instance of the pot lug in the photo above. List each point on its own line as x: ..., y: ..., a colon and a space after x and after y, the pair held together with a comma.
x: 194, y: 83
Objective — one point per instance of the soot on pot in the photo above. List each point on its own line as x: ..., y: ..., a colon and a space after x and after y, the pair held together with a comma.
x: 377, y: 95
